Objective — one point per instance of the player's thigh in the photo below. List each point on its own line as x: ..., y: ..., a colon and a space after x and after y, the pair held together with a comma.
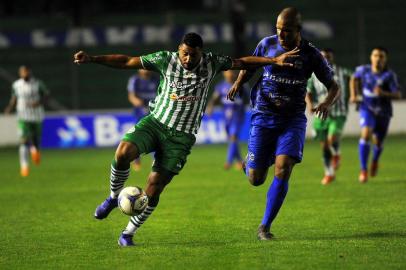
x: 291, y: 143
x: 144, y: 135
x: 336, y: 126
x: 23, y: 131
x: 173, y: 151
x: 283, y: 166
x: 320, y: 129
x: 261, y: 147
x: 381, y: 129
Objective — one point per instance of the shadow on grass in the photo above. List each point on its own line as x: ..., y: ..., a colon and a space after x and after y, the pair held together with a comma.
x: 370, y: 235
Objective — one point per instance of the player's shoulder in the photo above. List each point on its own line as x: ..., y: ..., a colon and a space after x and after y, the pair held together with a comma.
x: 269, y: 41
x: 309, y: 47
x: 363, y: 68
x: 17, y: 82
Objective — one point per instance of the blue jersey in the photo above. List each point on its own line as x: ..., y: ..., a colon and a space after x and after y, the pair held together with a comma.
x: 232, y: 109
x: 280, y: 91
x: 370, y: 101
x: 143, y: 89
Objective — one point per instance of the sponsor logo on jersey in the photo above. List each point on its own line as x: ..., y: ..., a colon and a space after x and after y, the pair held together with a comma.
x: 175, y: 97
x: 285, y: 80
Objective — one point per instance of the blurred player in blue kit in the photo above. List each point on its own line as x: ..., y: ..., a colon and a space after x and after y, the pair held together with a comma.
x: 372, y: 88
x: 278, y: 122
x: 141, y: 90
x: 234, y: 115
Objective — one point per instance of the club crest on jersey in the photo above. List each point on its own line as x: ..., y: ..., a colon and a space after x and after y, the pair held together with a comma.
x: 177, y: 84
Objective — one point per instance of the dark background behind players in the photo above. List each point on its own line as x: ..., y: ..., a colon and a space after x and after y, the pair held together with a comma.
x: 352, y: 28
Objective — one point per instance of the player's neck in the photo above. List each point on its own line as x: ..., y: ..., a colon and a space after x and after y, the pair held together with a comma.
x: 376, y: 69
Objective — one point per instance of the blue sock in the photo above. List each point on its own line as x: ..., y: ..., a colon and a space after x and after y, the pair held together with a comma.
x: 232, y: 148
x: 376, y: 153
x: 237, y: 154
x: 363, y: 153
x: 274, y: 200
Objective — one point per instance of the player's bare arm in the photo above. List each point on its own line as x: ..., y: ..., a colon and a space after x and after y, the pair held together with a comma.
x: 323, y: 108
x: 355, y: 86
x: 243, y: 77
x: 249, y: 64
x: 112, y: 60
x: 252, y: 62
x: 11, y: 105
x: 382, y: 93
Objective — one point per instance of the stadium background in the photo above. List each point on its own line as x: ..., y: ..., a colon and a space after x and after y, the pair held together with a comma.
x: 45, y: 34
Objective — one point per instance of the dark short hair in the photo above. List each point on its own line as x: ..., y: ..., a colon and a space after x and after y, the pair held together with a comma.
x: 327, y: 50
x: 192, y: 40
x: 381, y: 48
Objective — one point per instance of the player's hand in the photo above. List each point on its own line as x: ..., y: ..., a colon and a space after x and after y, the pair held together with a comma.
x: 234, y: 90
x: 321, y: 111
x: 378, y: 91
x: 81, y: 58
x: 282, y: 60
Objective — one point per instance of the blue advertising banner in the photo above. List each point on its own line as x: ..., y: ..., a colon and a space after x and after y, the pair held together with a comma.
x: 106, y: 130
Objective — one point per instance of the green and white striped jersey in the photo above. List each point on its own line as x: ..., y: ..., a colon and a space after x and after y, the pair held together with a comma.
x: 27, y: 93
x: 318, y: 91
x: 182, y: 94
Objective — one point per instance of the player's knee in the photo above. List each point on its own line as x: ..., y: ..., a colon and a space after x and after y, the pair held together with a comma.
x: 256, y: 178
x: 126, y: 153
x: 282, y: 171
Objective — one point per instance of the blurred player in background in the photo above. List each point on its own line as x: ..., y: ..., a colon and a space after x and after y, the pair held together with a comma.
x: 28, y: 96
x: 234, y: 114
x: 278, y: 122
x: 175, y: 117
x: 329, y: 131
x: 141, y: 90
x: 373, y: 87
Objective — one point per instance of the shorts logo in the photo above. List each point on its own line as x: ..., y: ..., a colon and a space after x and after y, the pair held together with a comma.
x: 251, y: 156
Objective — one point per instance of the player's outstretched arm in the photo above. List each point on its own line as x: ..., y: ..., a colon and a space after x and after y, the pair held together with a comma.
x: 252, y: 62
x: 322, y: 110
x: 355, y: 89
x: 112, y: 60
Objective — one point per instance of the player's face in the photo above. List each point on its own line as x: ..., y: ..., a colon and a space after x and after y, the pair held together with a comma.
x: 378, y: 59
x: 229, y: 76
x: 288, y: 33
x: 24, y: 73
x: 189, y: 57
x: 329, y: 56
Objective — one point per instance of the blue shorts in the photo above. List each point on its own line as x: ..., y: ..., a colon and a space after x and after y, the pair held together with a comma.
x: 378, y: 123
x: 265, y: 143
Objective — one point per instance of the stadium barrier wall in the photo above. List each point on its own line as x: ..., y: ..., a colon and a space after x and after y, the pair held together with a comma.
x: 104, y: 129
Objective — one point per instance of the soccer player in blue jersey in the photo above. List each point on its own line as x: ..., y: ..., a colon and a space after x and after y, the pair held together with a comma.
x: 234, y: 114
x: 141, y: 90
x: 278, y: 122
x: 373, y: 87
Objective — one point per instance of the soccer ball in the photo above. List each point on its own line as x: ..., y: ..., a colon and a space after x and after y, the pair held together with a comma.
x: 132, y: 201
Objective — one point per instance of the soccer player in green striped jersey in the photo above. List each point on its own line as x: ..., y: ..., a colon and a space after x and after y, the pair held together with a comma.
x: 28, y: 96
x: 175, y: 114
x: 329, y: 131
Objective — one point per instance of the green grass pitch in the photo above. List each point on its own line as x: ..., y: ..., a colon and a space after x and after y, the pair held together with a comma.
x: 207, y: 217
